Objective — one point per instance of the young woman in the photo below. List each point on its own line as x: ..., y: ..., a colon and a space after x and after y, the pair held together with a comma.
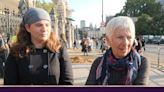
x: 37, y: 57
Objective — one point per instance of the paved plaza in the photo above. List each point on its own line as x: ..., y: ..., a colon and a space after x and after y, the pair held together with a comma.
x: 156, y: 79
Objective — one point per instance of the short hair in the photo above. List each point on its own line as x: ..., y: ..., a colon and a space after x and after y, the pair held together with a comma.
x: 122, y: 22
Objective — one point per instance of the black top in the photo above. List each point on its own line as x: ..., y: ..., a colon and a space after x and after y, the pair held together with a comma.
x: 40, y: 67
x: 116, y: 76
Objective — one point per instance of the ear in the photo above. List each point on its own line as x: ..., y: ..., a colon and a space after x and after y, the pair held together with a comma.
x: 108, y: 40
x: 27, y: 26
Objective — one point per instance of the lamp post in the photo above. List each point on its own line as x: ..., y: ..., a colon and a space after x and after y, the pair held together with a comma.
x: 102, y: 11
x: 102, y: 20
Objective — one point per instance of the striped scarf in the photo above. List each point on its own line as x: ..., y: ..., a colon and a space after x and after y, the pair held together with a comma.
x: 130, y: 63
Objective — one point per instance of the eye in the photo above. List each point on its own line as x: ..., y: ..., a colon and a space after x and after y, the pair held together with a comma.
x: 38, y: 24
x: 48, y: 24
x: 120, y: 37
x: 129, y: 38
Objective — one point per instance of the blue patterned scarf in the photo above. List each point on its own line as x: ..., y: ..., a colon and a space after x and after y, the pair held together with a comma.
x: 130, y: 63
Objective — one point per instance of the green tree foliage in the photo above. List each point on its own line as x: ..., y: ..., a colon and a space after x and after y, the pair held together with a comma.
x: 143, y: 25
x: 149, y: 13
x: 158, y: 24
x: 135, y: 8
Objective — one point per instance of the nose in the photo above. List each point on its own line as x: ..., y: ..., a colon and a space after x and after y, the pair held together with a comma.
x: 125, y: 41
x: 44, y: 28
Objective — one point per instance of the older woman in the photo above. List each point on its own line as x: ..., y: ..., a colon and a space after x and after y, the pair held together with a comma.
x: 121, y: 64
x: 37, y: 57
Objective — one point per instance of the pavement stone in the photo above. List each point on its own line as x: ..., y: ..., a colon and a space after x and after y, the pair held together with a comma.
x: 156, y: 78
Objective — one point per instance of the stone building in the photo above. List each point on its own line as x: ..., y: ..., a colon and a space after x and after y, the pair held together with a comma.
x: 24, y: 5
x: 64, y: 23
x: 9, y: 16
x: 11, y: 12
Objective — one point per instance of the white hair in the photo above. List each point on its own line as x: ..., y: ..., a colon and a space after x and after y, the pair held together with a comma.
x: 121, y: 22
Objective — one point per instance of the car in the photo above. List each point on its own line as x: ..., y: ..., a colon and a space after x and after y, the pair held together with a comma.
x: 156, y: 39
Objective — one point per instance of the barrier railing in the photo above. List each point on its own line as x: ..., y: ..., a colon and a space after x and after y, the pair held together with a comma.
x: 155, y: 53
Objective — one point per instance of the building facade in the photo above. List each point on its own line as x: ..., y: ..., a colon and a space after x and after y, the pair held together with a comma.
x: 9, y: 16
x: 64, y: 24
x: 82, y: 24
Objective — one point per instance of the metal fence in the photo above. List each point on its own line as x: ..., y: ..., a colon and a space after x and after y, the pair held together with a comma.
x: 155, y: 54
x: 9, y: 21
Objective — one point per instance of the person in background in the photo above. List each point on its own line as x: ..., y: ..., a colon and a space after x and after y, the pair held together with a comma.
x: 104, y: 45
x: 85, y: 46
x: 143, y: 44
x: 8, y: 37
x: 75, y: 45
x: 4, y: 52
x: 121, y: 64
x: 37, y: 57
x: 138, y: 46
x: 97, y: 43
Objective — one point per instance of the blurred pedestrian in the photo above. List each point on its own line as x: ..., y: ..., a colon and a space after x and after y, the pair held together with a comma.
x: 37, y: 57
x: 75, y: 44
x: 143, y: 44
x: 85, y: 46
x: 121, y: 64
x: 8, y: 37
x: 104, y: 45
x: 4, y: 52
x: 97, y: 43
x: 138, y: 46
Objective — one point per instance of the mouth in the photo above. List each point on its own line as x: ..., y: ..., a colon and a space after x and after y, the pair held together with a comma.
x: 43, y: 34
x: 123, y: 50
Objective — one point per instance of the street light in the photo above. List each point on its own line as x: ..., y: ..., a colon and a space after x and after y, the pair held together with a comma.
x: 102, y: 11
x: 102, y: 21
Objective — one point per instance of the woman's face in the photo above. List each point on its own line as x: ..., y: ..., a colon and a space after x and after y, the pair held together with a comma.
x: 121, y: 42
x: 40, y: 31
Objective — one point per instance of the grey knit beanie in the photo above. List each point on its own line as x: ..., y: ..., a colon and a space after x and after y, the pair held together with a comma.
x: 34, y: 15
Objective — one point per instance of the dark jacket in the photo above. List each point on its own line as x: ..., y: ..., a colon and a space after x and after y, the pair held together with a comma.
x: 141, y: 79
x: 49, y: 68
x: 4, y: 52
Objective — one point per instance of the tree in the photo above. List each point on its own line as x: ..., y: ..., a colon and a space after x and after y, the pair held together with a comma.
x: 149, y: 14
x: 135, y: 8
x: 157, y: 24
x: 143, y: 25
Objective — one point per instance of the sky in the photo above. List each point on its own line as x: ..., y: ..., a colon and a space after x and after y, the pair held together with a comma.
x: 91, y: 10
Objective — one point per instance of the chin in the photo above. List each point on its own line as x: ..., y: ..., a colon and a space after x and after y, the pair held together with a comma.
x: 124, y: 54
x: 43, y: 40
